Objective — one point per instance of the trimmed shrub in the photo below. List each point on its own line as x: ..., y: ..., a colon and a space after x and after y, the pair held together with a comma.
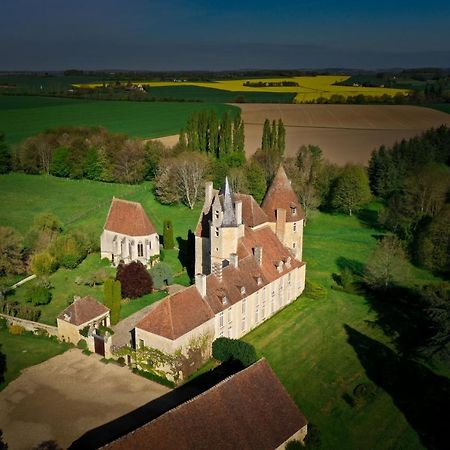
x: 82, y: 344
x: 162, y: 275
x: 16, y: 330
x: 135, y: 280
x: 121, y: 360
x: 38, y: 294
x: 168, y: 235
x: 225, y: 349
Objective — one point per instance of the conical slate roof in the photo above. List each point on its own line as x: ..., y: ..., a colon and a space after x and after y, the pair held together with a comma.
x: 281, y: 195
x: 229, y: 218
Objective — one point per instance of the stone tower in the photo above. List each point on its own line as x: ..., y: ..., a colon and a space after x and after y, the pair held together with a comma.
x: 285, y: 213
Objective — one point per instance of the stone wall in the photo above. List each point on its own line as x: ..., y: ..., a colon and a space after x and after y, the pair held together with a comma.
x: 29, y: 325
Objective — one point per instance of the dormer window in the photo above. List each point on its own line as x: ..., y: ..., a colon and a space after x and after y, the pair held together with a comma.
x: 259, y: 281
x: 293, y: 210
x: 280, y: 266
x: 224, y: 300
x: 243, y: 290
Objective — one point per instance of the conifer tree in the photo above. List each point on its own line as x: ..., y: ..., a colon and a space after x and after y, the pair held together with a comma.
x: 213, y: 126
x: 182, y: 139
x: 281, y: 135
x: 238, y: 133
x: 265, y: 144
x: 116, y: 300
x: 202, y: 131
x: 225, y: 137
x: 273, y: 135
x: 168, y: 235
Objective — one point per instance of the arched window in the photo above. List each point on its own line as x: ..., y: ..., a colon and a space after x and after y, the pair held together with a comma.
x: 140, y: 249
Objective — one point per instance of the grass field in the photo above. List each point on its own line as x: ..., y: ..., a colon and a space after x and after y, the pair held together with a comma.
x: 444, y: 107
x: 308, y: 89
x: 85, y: 203
x: 314, y: 354
x: 25, y: 351
x: 22, y: 116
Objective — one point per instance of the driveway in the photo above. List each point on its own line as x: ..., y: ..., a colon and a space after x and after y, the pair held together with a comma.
x: 68, y: 395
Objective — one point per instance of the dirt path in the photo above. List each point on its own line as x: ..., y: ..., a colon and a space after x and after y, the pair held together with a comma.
x: 68, y: 395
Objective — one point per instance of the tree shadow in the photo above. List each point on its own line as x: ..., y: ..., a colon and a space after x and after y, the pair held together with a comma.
x: 121, y: 426
x: 186, y: 253
x: 356, y: 267
x: 418, y: 393
x: 400, y: 315
x: 369, y: 218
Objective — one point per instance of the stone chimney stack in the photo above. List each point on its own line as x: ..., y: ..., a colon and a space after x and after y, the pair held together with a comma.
x: 258, y: 254
x: 200, y: 284
x: 208, y: 192
x: 280, y: 224
x: 238, y: 211
x: 217, y: 270
x: 234, y: 260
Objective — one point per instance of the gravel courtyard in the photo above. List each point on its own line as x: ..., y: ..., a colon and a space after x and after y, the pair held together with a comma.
x: 68, y: 395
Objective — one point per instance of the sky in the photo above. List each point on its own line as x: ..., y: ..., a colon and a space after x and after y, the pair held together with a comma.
x: 222, y: 35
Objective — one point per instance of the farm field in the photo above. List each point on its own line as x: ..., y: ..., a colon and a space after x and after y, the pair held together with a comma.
x: 345, y: 133
x: 22, y: 116
x: 309, y: 87
x: 322, y: 349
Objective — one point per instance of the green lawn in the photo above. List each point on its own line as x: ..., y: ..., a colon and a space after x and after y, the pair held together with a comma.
x: 25, y: 351
x: 315, y: 355
x: 137, y: 304
x: 445, y: 107
x: 21, y: 117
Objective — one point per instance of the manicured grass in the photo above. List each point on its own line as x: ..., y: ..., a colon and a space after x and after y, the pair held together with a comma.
x: 21, y: 117
x: 82, y: 202
x: 26, y: 350
x: 126, y: 309
x: 309, y: 347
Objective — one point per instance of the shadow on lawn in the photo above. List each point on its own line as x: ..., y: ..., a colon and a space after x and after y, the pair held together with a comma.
x: 186, y: 253
x: 418, y: 393
x: 117, y: 428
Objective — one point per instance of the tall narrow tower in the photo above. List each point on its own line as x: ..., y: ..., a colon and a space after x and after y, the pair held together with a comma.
x: 285, y: 213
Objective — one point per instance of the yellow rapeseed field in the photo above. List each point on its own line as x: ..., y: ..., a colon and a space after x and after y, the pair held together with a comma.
x: 308, y: 89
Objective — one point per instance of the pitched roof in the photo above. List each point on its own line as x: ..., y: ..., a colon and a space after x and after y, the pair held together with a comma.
x: 250, y: 410
x: 83, y: 310
x: 281, y: 195
x: 186, y: 310
x: 252, y: 214
x: 177, y: 314
x: 128, y: 218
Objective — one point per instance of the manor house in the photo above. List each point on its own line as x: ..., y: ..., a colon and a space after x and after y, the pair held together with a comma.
x: 248, y: 262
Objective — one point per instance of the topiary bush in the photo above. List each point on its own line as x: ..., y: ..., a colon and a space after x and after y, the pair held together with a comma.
x: 135, y: 279
x: 225, y: 349
x: 38, y: 294
x: 82, y: 344
x: 162, y: 275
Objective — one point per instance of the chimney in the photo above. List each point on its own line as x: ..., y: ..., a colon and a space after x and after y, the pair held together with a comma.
x: 281, y: 222
x: 258, y: 254
x: 200, y: 284
x: 217, y: 270
x: 238, y: 211
x: 208, y: 193
x: 234, y: 260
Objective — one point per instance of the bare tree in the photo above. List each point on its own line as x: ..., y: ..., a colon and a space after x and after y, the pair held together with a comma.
x: 190, y: 169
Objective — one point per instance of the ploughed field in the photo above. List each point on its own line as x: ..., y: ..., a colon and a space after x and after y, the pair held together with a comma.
x: 345, y: 133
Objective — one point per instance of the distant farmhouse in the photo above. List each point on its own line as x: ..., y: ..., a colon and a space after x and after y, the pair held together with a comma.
x: 248, y: 267
x: 128, y: 234
x: 248, y: 410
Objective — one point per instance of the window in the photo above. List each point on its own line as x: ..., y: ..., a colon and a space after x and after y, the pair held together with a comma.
x: 289, y: 279
x: 294, y: 210
x: 243, y: 324
x: 216, y: 232
x: 256, y: 314
x: 295, y: 227
x: 244, y: 306
x: 221, y: 319
x: 294, y: 245
x: 140, y: 249
x: 216, y: 213
x: 272, y: 303
x: 221, y: 333
x: 141, y: 343
x: 230, y: 315
x: 230, y: 332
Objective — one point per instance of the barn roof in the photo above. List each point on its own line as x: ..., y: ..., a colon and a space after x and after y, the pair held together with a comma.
x: 250, y: 410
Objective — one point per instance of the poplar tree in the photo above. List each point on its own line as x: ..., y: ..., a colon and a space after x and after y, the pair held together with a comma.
x: 225, y: 137
x: 213, y: 127
x: 116, y: 300
x: 182, y: 139
x: 273, y: 135
x: 265, y: 144
x: 202, y: 131
x: 281, y: 142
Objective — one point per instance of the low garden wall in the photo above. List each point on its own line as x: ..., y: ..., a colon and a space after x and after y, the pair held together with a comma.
x: 30, y: 325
